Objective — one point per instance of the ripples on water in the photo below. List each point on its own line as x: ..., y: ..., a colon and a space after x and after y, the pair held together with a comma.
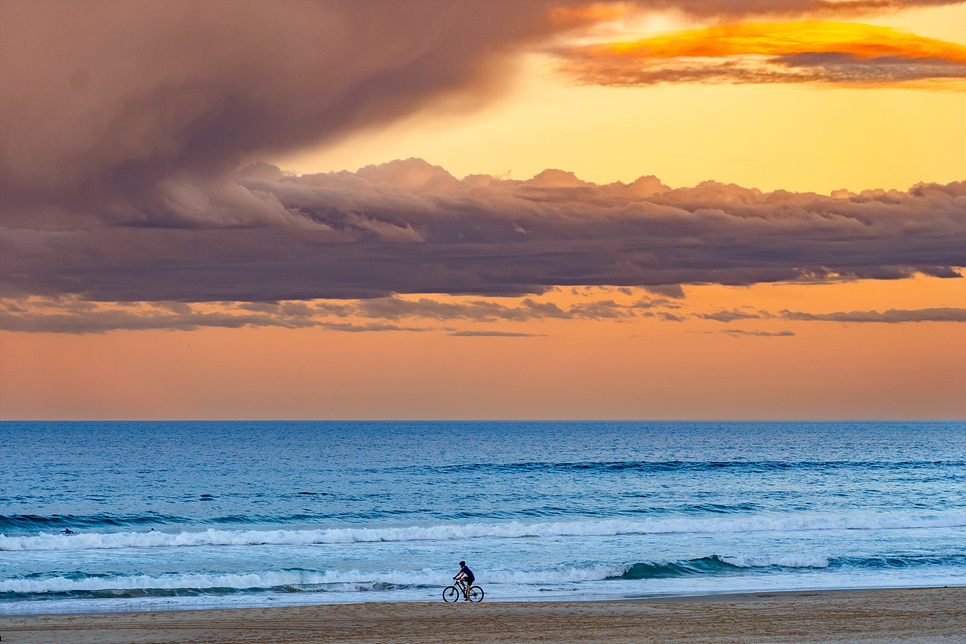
x: 189, y: 514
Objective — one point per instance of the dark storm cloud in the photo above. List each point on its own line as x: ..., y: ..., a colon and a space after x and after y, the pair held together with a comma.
x: 133, y: 111
x: 123, y: 124
x: 408, y: 227
x: 674, y: 291
x: 109, y: 107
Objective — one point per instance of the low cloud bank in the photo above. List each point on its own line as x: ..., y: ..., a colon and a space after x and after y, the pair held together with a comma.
x: 73, y: 315
x: 759, y: 334
x: 891, y: 316
x: 410, y: 227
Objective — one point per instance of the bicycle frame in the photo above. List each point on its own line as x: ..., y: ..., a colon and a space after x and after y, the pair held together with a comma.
x: 453, y: 593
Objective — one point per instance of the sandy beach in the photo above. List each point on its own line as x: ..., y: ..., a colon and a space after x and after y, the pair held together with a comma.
x: 895, y: 615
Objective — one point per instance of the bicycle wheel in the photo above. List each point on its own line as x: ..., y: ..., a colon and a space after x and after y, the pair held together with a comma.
x: 451, y: 594
x: 476, y: 594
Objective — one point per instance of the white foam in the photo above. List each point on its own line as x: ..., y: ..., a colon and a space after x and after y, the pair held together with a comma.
x: 334, y: 580
x: 456, y: 532
x: 788, y: 561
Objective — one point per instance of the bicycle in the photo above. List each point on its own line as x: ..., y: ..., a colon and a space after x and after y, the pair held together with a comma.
x: 452, y: 593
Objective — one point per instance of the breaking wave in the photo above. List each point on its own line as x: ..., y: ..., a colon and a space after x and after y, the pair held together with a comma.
x: 108, y: 586
x: 448, y: 532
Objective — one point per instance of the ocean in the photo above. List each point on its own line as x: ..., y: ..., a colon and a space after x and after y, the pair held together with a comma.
x: 173, y: 515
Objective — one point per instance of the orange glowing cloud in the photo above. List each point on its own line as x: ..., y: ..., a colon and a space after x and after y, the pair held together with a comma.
x: 807, y: 51
x: 778, y: 38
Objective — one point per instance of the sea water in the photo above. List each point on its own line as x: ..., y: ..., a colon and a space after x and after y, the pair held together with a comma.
x: 224, y: 514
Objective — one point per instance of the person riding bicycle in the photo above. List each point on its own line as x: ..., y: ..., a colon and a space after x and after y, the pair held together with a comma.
x: 466, y: 576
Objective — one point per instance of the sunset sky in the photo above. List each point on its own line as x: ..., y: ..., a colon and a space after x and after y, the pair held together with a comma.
x: 667, y: 209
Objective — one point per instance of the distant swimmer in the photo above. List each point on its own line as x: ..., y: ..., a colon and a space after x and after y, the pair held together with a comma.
x: 68, y: 531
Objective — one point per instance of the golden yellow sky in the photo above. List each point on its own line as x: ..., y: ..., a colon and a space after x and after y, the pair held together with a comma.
x: 842, y: 348
x: 777, y: 136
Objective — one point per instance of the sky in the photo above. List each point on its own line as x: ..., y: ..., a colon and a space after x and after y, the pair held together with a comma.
x: 664, y: 209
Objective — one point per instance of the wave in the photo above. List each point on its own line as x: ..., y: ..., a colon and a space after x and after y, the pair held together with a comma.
x: 104, y: 586
x: 25, y: 524
x: 459, y: 531
x: 716, y: 564
x: 288, y: 581
x: 300, y: 580
x: 35, y: 522
x: 32, y: 522
x: 681, y: 466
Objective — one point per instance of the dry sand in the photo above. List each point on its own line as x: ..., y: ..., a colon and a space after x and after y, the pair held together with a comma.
x: 900, y: 615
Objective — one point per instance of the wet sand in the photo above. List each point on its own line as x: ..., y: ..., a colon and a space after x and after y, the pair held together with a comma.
x: 932, y: 615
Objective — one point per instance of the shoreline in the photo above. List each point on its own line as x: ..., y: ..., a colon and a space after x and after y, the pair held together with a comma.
x: 769, y: 594
x: 710, y: 596
x: 934, y: 614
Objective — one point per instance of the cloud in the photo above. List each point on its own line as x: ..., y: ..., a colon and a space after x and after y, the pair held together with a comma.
x: 134, y: 111
x: 370, y: 234
x: 74, y: 315
x: 493, y: 334
x: 78, y: 316
x: 124, y: 125
x: 761, y: 334
x: 107, y: 107
x: 674, y: 291
x: 892, y: 316
x: 729, y: 315
x: 664, y: 315
x: 838, y: 53
x: 741, y: 8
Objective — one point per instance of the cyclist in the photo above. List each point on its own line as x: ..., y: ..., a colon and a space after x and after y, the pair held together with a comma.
x: 467, y: 577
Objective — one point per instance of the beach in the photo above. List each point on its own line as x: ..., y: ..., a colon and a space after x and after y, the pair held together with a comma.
x: 893, y: 615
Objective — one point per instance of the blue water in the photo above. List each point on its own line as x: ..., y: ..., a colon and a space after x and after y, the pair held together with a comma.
x: 216, y: 514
